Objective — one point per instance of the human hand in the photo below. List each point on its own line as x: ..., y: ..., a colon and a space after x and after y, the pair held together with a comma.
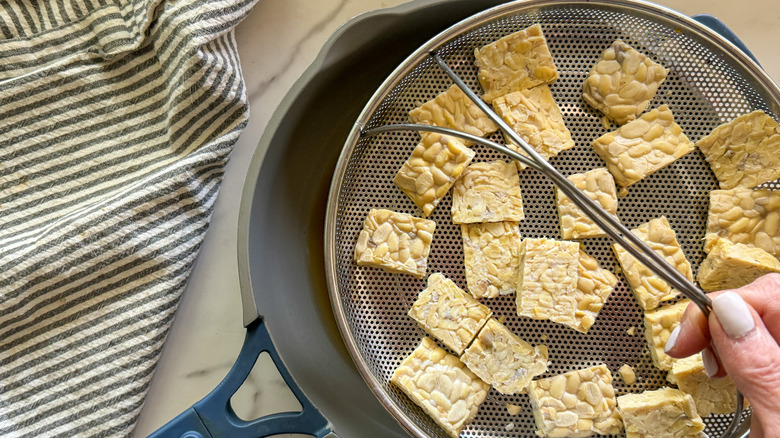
x: 740, y: 339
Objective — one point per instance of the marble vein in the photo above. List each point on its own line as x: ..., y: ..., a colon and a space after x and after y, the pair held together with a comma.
x: 319, y: 26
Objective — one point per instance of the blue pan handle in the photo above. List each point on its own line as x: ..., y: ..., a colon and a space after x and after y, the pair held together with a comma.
x: 214, y: 417
x: 720, y: 27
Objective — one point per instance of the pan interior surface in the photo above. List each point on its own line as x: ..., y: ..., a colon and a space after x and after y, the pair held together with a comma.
x: 707, y: 85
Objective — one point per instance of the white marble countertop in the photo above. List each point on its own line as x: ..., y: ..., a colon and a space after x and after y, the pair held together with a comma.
x: 277, y: 41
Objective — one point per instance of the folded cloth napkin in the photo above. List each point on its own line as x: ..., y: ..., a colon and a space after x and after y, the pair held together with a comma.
x: 116, y: 122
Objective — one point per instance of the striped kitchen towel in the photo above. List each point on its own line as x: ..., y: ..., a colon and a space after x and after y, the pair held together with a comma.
x: 117, y: 118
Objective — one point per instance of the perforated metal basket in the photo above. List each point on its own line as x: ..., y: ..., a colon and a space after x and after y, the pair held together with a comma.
x: 710, y: 82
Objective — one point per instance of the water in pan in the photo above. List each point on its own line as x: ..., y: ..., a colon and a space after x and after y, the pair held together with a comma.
x: 702, y: 90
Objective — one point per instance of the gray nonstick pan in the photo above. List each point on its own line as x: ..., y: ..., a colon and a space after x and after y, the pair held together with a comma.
x: 287, y: 308
x: 281, y: 232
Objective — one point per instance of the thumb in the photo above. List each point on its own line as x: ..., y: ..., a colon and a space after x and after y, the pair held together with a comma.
x: 748, y: 353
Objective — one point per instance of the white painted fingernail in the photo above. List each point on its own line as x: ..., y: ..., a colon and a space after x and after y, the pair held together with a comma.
x: 710, y: 362
x: 733, y: 314
x: 672, y: 339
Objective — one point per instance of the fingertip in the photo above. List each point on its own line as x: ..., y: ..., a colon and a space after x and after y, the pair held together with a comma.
x: 712, y: 365
x: 672, y: 341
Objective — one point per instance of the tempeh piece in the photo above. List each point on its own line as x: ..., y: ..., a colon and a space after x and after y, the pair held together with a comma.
x: 750, y: 217
x: 395, y: 242
x: 491, y: 255
x: 535, y: 116
x: 649, y: 289
x: 732, y: 265
x: 487, y: 192
x: 594, y: 284
x: 502, y: 359
x: 448, y: 313
x: 623, y: 82
x: 641, y: 147
x: 659, y: 324
x: 547, y: 281
x: 441, y: 385
x: 599, y: 185
x: 665, y: 412
x: 711, y: 395
x: 435, y: 164
x: 575, y: 404
x: 513, y: 409
x: 744, y: 152
x: 628, y: 374
x: 453, y: 109
x: 515, y: 62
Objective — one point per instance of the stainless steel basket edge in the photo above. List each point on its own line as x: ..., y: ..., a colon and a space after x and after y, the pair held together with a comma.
x: 703, y: 32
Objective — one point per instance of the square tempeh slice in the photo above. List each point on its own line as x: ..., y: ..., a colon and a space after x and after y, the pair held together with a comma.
x: 502, y: 359
x: 594, y: 284
x: 535, y: 116
x: 487, y: 192
x: 515, y: 62
x: 659, y: 324
x: 623, y: 82
x: 491, y: 255
x: 575, y: 404
x: 649, y: 289
x: 665, y: 412
x: 711, y: 395
x: 547, y: 282
x: 453, y: 109
x: 395, y: 242
x: 750, y: 217
x: 744, y: 152
x: 435, y: 164
x: 448, y: 313
x: 599, y: 185
x: 732, y: 265
x: 441, y: 385
x: 643, y: 146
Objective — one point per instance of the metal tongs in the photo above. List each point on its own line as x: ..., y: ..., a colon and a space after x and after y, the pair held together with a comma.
x: 608, y: 223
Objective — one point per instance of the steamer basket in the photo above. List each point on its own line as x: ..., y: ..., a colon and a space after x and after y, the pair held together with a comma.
x: 710, y: 82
